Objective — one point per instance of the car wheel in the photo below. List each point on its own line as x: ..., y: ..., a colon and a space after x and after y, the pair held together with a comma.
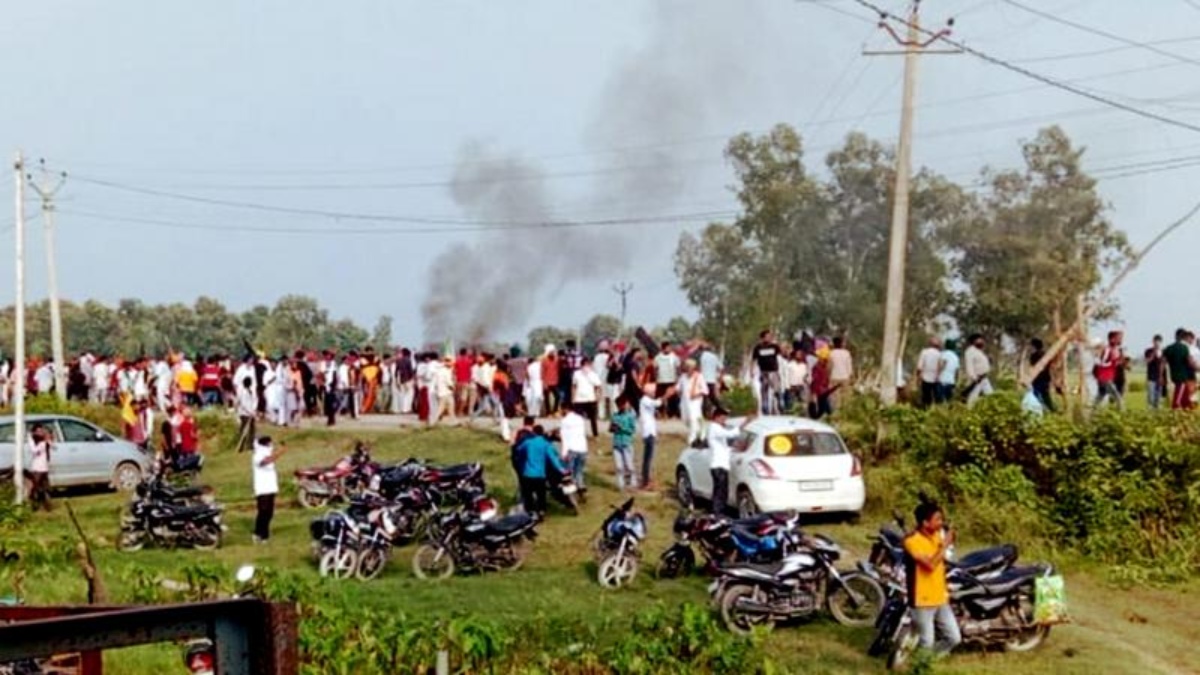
x: 683, y: 488
x: 746, y: 506
x: 126, y: 476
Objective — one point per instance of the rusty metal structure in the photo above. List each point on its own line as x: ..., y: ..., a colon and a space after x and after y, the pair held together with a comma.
x: 250, y: 637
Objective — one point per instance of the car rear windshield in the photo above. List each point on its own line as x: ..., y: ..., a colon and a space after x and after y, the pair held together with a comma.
x: 803, y: 444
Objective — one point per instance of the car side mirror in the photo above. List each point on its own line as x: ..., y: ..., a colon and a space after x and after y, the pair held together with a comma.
x: 100, y: 437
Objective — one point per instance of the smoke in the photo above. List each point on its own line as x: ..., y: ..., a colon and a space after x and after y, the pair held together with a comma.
x: 690, y: 74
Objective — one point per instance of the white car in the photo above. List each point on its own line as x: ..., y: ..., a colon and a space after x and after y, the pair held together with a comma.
x: 780, y: 463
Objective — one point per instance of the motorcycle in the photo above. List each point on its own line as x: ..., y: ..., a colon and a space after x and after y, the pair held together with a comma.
x: 887, y: 554
x: 801, y: 584
x: 462, y: 541
x: 446, y: 484
x: 336, y: 542
x: 998, y: 611
x: 180, y: 467
x: 763, y: 538
x: 317, y: 487
x: 169, y: 523
x: 618, y: 546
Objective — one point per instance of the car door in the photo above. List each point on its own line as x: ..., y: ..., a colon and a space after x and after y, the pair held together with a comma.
x: 741, y: 453
x: 78, y: 456
x: 700, y: 468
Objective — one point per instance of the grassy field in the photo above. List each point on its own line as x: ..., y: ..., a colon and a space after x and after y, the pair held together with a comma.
x: 1115, y: 631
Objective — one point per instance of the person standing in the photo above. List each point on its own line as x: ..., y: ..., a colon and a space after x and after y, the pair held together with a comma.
x: 574, y: 445
x: 797, y: 376
x: 819, y: 394
x: 585, y: 390
x: 666, y: 376
x: 604, y: 404
x: 928, y: 364
x: 569, y: 363
x: 977, y: 366
x: 719, y: 436
x: 766, y: 359
x: 1105, y: 371
x: 647, y: 415
x: 623, y: 426
x: 948, y: 366
x: 1156, y: 373
x: 929, y: 592
x: 841, y: 371
x: 710, y: 370
x: 247, y: 412
x: 694, y: 391
x: 39, y: 468
x: 534, y: 388
x: 406, y: 375
x: 442, y: 387
x: 537, y: 453
x: 1182, y: 369
x: 266, y: 485
x: 1042, y: 381
x: 550, y: 376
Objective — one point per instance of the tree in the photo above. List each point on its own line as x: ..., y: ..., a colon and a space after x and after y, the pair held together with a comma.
x: 548, y: 335
x: 678, y: 331
x: 381, y: 336
x: 599, y: 327
x: 1033, y: 244
x: 295, y: 321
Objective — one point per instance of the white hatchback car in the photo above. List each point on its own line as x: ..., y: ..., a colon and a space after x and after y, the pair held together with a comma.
x: 780, y: 463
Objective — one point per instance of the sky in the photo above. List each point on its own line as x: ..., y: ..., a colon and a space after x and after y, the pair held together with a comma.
x: 248, y: 150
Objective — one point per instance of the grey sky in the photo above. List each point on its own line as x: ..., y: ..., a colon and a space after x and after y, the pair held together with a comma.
x: 293, y: 103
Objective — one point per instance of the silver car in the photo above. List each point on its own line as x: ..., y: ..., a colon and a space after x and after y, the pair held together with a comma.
x: 83, y: 454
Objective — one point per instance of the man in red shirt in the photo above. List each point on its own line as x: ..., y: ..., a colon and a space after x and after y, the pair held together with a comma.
x: 1112, y: 357
x: 189, y: 435
x: 210, y: 382
x: 462, y: 382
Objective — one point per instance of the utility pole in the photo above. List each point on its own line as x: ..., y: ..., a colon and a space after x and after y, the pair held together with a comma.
x: 18, y: 374
x: 56, y: 333
x: 912, y: 46
x: 622, y: 289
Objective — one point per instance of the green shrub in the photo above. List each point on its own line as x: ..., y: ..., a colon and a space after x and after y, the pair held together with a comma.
x: 739, y: 400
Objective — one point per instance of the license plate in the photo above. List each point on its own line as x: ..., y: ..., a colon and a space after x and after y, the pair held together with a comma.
x: 816, y: 485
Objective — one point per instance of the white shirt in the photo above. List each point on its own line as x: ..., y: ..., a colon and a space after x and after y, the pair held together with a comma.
x: 574, y: 433
x: 44, y: 378
x: 949, y: 362
x: 976, y: 363
x: 927, y: 364
x: 796, y: 372
x: 841, y: 365
x: 710, y: 366
x: 243, y: 371
x: 100, y: 375
x: 41, y: 457
x: 600, y: 366
x: 247, y: 402
x: 583, y: 386
x: 342, y: 376
x: 718, y: 445
x: 162, y: 376
x: 534, y: 372
x: 266, y: 480
x: 694, y: 387
x: 666, y: 368
x: 443, y: 380
x: 483, y: 375
x: 646, y: 409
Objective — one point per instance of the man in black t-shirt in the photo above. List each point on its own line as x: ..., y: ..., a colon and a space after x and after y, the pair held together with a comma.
x: 766, y: 357
x: 1156, y: 373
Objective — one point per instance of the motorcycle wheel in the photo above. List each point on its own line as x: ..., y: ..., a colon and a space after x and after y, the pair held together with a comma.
x: 130, y: 540
x: 738, y: 620
x: 617, y: 571
x: 207, y: 538
x: 1030, y: 638
x: 432, y: 562
x: 675, y: 563
x: 310, y: 500
x: 857, y: 602
x: 371, y: 563
x: 338, y: 565
x: 519, y: 550
x: 905, y: 646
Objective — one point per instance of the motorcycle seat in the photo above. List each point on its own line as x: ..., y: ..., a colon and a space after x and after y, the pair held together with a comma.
x: 190, y: 511
x: 751, y: 539
x: 455, y: 472
x: 988, y: 559
x: 508, y: 524
x: 1013, y: 578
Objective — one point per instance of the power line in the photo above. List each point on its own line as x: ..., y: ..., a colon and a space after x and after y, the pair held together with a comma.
x: 615, y: 222
x: 1101, y: 33
x: 1058, y: 84
x: 1102, y: 52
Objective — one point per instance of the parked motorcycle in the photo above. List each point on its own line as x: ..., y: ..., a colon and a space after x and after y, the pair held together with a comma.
x: 179, y: 467
x: 998, y: 611
x: 317, y: 487
x: 446, y: 484
x: 170, y: 522
x: 336, y: 542
x: 618, y: 546
x: 762, y: 538
x: 462, y: 541
x: 801, y: 584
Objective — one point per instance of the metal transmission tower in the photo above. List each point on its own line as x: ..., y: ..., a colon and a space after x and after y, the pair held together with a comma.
x: 18, y: 372
x: 47, y: 191
x: 911, y: 46
x: 622, y: 289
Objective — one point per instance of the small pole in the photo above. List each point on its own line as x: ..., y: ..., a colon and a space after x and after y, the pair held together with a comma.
x: 19, y: 348
x: 56, y: 330
x: 443, y: 662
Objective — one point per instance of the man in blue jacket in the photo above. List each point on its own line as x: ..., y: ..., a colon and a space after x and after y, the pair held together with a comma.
x: 538, y: 451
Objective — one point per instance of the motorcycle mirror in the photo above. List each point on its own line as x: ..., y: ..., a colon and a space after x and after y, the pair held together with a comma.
x: 245, y: 573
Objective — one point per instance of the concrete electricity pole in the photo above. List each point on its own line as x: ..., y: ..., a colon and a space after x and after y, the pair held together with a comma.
x: 622, y: 289
x: 18, y: 374
x: 898, y: 250
x: 56, y: 333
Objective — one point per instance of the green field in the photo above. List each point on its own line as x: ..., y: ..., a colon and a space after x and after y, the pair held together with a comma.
x: 1114, y: 632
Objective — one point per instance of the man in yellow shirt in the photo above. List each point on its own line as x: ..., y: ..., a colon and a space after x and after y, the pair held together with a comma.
x: 928, y: 592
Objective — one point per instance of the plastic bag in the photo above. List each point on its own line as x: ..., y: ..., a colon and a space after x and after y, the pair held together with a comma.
x: 1050, y: 600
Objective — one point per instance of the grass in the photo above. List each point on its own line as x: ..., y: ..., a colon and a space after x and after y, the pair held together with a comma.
x: 1115, y: 632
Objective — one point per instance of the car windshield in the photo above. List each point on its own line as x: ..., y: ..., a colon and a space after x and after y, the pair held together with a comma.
x: 803, y: 444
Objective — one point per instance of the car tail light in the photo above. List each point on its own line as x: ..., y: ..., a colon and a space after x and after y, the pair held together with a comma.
x: 856, y: 467
x: 763, y: 470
